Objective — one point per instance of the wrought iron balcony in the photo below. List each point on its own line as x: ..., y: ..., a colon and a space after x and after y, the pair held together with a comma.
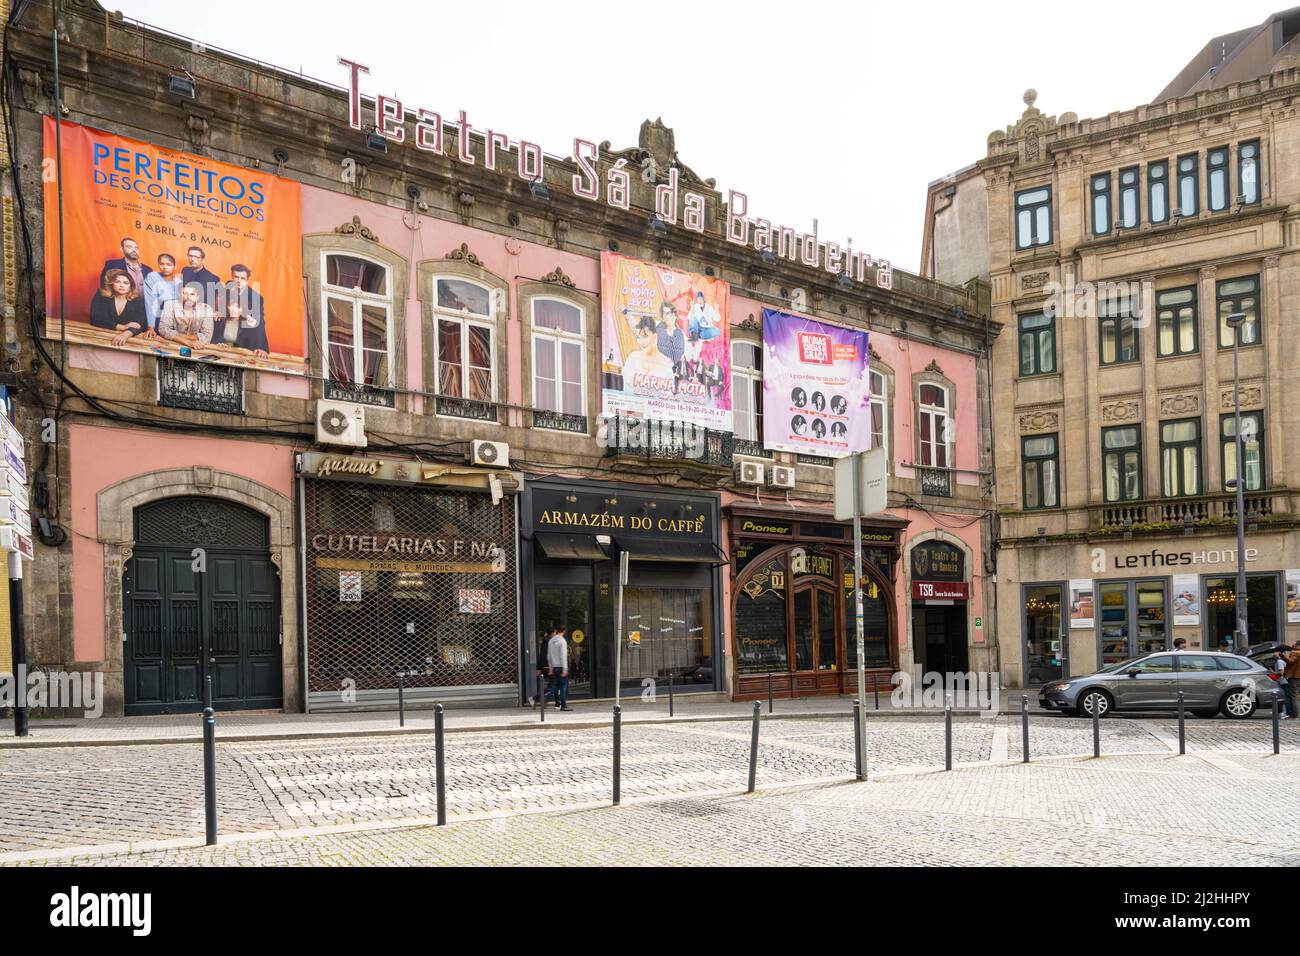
x: 361, y: 394
x: 750, y: 448
x: 936, y: 482
x: 668, y: 441
x: 559, y: 421
x: 465, y: 408
x: 200, y: 386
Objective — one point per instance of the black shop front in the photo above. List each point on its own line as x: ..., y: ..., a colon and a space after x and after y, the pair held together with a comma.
x: 572, y: 536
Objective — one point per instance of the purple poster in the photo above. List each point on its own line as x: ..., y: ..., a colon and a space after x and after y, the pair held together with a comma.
x: 816, y: 387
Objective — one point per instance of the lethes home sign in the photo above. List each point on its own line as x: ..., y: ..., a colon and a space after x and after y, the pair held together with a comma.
x: 671, y: 202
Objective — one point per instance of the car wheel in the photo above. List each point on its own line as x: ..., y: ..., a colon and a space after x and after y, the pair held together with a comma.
x: 1238, y: 704
x: 1095, y: 698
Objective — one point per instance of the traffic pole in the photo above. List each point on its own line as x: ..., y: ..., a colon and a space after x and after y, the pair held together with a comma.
x: 18, y: 642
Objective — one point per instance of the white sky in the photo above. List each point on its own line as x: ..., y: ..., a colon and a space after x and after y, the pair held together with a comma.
x: 899, y: 94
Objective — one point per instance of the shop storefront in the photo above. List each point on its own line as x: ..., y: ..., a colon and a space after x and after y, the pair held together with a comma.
x: 573, y: 533
x: 793, y: 605
x: 940, y: 590
x: 1130, y: 598
x: 410, y: 570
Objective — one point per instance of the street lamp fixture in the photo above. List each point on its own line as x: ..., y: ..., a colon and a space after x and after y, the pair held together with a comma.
x: 1240, y: 641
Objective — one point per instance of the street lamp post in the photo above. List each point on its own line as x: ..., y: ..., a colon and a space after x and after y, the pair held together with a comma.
x: 1240, y: 643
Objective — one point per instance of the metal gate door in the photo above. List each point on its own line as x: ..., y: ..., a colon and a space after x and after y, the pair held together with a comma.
x: 201, y: 600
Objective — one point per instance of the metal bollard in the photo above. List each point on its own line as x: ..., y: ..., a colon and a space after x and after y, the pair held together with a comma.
x: 1182, y: 726
x: 857, y: 738
x: 541, y: 696
x: 440, y: 764
x: 618, y: 747
x: 401, y: 698
x: 753, y: 751
x: 947, y: 734
x: 769, y: 692
x: 1024, y: 728
x: 670, y: 692
x: 1277, y: 730
x: 1096, y: 727
x: 875, y: 688
x: 210, y: 768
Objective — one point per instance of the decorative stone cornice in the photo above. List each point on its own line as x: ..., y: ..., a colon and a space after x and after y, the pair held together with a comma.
x: 355, y: 228
x: 1188, y: 403
x: 1125, y: 411
x: 557, y: 277
x: 750, y: 323
x: 462, y: 252
x: 934, y: 367
x: 1039, y: 421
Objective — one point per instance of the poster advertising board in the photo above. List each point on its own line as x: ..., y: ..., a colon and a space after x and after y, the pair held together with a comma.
x: 1293, y: 595
x: 1187, y: 599
x: 816, y: 387
x: 665, y: 344
x: 1082, y: 603
x: 172, y: 254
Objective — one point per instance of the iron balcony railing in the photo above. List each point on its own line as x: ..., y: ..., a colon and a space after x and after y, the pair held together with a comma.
x: 361, y: 394
x: 668, y: 441
x: 935, y: 481
x: 1163, y: 514
x: 200, y: 386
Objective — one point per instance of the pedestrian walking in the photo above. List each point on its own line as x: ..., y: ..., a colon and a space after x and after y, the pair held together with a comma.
x: 557, y: 658
x: 1292, y: 677
x: 1180, y: 644
x: 1279, y: 666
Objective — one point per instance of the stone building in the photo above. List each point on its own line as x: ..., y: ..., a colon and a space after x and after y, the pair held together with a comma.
x: 1117, y: 248
x: 219, y: 519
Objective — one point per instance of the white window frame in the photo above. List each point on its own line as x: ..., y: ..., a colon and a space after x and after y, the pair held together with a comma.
x: 358, y: 299
x: 558, y: 338
x: 933, y: 412
x: 880, y: 400
x: 466, y: 319
x: 752, y: 379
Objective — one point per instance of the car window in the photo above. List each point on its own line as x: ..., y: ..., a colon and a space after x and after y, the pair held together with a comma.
x: 1198, y: 662
x: 1118, y: 665
x: 1164, y: 664
x: 1234, y: 663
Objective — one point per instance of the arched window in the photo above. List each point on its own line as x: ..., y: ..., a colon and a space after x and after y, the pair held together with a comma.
x: 357, y: 329
x: 464, y: 317
x: 559, y: 360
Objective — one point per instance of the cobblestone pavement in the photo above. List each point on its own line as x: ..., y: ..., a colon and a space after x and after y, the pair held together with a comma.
x: 1147, y: 810
x: 67, y: 797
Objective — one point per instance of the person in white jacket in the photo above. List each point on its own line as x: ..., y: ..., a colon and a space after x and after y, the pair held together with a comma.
x: 557, y: 658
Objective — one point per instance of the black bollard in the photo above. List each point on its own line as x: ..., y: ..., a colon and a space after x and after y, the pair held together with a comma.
x: 670, y: 692
x: 947, y: 735
x: 618, y: 746
x: 210, y: 767
x: 440, y: 764
x: 1096, y: 726
x: 875, y: 688
x: 1182, y: 726
x: 401, y: 698
x: 753, y: 751
x: 1024, y: 728
x: 1277, y: 730
x: 769, y: 692
x: 541, y: 696
x: 857, y: 739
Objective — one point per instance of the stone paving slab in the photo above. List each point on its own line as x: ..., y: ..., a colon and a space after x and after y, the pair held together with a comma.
x: 1144, y: 811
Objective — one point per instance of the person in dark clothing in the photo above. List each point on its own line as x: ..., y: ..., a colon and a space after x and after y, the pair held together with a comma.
x: 237, y: 329
x: 130, y: 264
x: 116, y: 309
x: 197, y: 271
x: 249, y: 298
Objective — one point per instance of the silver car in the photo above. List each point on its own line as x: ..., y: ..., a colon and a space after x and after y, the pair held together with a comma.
x: 1211, y: 683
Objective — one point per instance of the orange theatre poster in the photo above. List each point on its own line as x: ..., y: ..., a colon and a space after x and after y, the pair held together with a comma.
x: 171, y: 254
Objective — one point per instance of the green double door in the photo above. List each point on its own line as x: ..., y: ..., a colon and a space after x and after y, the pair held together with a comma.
x: 569, y: 607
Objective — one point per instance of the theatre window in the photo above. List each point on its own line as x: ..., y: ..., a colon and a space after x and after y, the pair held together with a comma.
x: 357, y: 329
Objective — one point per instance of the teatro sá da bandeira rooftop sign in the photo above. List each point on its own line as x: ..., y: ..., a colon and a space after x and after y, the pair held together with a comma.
x: 672, y: 205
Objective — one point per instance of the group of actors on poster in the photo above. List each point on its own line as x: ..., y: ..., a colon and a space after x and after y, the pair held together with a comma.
x: 677, y: 348
x: 194, y: 308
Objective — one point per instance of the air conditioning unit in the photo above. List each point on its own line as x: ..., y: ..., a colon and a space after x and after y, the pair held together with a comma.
x: 782, y: 476
x: 494, y: 454
x: 340, y: 423
x: 749, y: 472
